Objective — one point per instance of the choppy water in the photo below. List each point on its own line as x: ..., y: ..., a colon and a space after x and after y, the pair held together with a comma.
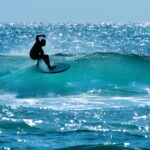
x: 101, y: 102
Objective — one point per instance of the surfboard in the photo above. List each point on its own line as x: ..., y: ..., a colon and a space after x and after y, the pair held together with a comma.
x: 59, y: 67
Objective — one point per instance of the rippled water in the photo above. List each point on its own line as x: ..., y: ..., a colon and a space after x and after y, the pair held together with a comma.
x: 101, y: 102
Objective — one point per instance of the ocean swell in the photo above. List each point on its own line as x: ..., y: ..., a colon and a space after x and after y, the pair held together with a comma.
x: 97, y: 73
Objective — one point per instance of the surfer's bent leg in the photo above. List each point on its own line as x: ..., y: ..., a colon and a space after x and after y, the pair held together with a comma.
x: 46, y: 59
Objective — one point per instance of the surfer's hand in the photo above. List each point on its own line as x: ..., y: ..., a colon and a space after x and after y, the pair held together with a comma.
x: 41, y: 35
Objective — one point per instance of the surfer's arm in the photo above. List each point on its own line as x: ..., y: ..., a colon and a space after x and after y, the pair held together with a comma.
x: 37, y: 37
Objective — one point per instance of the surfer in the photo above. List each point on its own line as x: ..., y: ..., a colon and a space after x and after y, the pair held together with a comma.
x: 37, y: 52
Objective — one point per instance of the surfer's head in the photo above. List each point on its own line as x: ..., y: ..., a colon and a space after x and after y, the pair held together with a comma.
x: 43, y: 42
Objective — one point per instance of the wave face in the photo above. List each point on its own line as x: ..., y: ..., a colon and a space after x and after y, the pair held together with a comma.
x: 107, y: 74
x: 101, y: 102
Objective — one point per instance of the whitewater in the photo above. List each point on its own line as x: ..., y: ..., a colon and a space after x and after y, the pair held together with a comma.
x: 101, y: 102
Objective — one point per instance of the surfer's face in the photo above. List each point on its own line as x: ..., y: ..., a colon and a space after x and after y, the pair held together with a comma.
x: 43, y: 42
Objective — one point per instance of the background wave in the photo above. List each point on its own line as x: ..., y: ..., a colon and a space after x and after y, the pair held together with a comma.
x: 17, y: 39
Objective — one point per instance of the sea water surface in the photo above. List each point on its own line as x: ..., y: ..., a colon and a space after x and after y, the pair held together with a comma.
x: 101, y: 102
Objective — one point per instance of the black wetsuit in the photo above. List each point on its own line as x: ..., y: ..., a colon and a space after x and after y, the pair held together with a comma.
x: 36, y: 51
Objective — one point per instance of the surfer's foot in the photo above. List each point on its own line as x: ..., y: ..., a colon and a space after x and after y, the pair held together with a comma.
x: 52, y: 67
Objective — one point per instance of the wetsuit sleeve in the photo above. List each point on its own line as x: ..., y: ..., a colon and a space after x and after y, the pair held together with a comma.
x: 37, y: 37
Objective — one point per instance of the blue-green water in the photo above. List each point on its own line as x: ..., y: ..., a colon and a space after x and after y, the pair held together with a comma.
x: 101, y: 102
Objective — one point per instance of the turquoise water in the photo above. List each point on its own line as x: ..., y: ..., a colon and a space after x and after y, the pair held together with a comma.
x: 101, y: 102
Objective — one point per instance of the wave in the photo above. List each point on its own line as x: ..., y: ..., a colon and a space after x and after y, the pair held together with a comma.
x: 98, y: 128
x: 97, y: 73
x: 96, y: 147
x: 81, y: 147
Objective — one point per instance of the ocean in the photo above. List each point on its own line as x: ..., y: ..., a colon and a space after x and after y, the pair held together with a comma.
x: 101, y: 103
